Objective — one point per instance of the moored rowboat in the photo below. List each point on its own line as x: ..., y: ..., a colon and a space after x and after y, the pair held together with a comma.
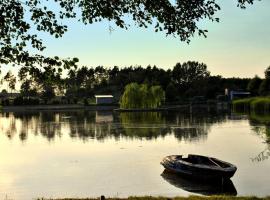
x: 197, y: 166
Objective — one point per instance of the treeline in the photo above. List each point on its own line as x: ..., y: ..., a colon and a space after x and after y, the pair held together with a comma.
x: 258, y: 86
x: 180, y: 83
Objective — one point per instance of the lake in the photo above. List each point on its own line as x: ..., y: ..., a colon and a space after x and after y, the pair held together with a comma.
x: 87, y: 154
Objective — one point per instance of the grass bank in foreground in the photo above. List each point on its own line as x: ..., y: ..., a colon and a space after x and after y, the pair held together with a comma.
x: 176, y: 198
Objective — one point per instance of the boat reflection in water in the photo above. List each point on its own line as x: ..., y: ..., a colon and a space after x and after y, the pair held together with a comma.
x: 204, y: 187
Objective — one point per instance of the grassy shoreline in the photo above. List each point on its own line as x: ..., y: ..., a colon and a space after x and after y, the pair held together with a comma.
x: 254, y: 104
x: 175, y: 198
x: 56, y: 107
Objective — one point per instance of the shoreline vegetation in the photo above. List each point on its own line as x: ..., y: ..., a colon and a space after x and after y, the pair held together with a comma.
x: 79, y: 86
x: 175, y: 198
x: 260, y: 105
x: 142, y: 96
x: 154, y: 88
x: 187, y: 107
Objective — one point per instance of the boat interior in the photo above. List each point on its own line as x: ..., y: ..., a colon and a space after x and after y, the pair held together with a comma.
x: 194, y: 159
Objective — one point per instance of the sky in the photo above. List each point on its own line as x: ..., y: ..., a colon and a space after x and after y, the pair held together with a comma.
x: 237, y: 46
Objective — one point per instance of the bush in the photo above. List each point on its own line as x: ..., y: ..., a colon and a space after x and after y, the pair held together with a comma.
x: 75, y: 100
x: 55, y: 102
x: 260, y: 105
x: 32, y: 101
x: 242, y: 105
x: 18, y: 101
x: 5, y: 102
x: 256, y: 105
x: 85, y: 102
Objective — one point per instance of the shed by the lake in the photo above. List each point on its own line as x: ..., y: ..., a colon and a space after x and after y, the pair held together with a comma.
x: 239, y: 94
x: 104, y: 99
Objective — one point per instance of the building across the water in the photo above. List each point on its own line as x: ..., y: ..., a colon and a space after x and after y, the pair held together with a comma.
x: 233, y: 94
x: 104, y: 99
x: 9, y: 95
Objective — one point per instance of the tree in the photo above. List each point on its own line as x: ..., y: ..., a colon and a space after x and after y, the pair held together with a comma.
x: 265, y: 84
x: 142, y: 96
x: 254, y: 85
x: 20, y: 20
x: 48, y: 93
x: 131, y: 97
x: 189, y: 72
x: 27, y: 90
x: 11, y: 80
x: 4, y: 92
x: 267, y: 73
x: 265, y: 87
x: 171, y: 92
x: 158, y: 96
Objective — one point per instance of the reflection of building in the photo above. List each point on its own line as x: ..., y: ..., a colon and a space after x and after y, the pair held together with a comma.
x: 104, y: 99
x: 102, y: 116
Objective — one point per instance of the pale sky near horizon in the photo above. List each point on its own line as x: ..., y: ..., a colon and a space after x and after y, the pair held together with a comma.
x: 237, y: 46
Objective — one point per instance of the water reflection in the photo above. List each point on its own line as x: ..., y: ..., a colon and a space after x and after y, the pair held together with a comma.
x: 102, y: 125
x: 218, y: 187
x: 93, y: 149
x: 147, y: 125
x: 261, y: 125
x: 262, y: 156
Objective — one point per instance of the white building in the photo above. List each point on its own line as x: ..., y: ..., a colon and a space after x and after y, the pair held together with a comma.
x: 104, y: 99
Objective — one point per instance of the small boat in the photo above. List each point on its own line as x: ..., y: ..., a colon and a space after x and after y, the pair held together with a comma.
x: 199, y: 167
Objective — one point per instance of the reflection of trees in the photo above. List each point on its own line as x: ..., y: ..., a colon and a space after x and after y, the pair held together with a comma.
x: 101, y: 125
x: 143, y: 124
x: 262, y: 156
x: 261, y: 126
x: 8, y: 127
x: 195, y: 127
x: 156, y: 124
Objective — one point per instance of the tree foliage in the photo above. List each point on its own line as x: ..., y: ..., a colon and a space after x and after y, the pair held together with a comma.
x: 142, y: 96
x: 254, y: 85
x: 85, y: 82
x: 189, y: 72
x: 267, y: 73
x: 21, y: 20
x: 10, y: 79
x: 264, y: 88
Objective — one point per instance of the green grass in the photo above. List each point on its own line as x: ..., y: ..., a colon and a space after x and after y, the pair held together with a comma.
x: 255, y: 104
x: 259, y: 118
x: 176, y: 198
x: 242, y: 105
x: 260, y: 105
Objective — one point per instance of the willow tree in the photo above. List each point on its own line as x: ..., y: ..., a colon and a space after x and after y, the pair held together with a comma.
x: 142, y: 96
x: 131, y: 97
x: 158, y: 96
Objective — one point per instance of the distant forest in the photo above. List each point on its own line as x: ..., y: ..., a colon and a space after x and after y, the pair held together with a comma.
x: 180, y: 83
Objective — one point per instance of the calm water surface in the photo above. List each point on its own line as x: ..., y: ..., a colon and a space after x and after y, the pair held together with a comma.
x: 88, y: 154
